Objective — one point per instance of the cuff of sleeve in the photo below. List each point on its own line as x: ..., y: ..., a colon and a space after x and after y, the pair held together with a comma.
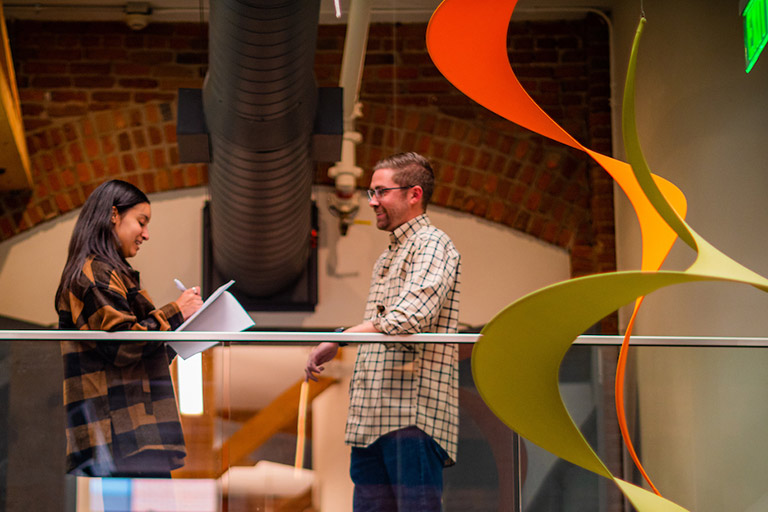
x: 380, y: 325
x: 387, y: 327
x: 173, y: 315
x: 377, y: 324
x: 341, y: 343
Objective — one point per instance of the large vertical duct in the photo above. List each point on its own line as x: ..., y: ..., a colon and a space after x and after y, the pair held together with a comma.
x: 259, y: 99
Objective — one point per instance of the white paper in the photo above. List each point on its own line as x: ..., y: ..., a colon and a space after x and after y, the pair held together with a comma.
x: 210, y: 300
x: 220, y: 312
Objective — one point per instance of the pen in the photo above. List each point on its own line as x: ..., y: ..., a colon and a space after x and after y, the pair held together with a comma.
x: 183, y: 288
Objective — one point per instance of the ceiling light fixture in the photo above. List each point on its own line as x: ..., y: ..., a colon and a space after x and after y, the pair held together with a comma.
x: 137, y: 15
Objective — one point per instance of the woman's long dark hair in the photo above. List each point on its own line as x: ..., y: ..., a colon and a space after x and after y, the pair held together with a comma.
x: 94, y: 235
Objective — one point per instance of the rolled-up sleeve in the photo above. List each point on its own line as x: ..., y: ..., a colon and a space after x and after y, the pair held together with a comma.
x: 428, y: 277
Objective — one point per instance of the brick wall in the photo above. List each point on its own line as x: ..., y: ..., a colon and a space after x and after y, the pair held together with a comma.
x: 486, y: 165
x: 69, y: 159
x: 66, y: 70
x: 99, y: 100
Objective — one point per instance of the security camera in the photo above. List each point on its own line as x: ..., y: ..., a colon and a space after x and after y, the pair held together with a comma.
x: 137, y: 15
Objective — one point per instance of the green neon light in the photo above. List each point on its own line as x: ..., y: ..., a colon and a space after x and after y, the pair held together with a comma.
x: 755, y: 18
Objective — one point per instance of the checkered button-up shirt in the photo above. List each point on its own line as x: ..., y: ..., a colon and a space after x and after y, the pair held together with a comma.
x: 414, y: 288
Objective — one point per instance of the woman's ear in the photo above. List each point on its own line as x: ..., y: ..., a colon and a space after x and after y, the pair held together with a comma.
x: 113, y: 218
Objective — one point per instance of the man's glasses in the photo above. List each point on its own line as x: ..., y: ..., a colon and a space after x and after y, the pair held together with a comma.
x: 378, y: 192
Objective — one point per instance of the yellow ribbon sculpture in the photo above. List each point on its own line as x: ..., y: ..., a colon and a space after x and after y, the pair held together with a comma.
x: 516, y: 361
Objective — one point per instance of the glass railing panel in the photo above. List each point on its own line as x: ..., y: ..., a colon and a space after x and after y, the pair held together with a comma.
x: 32, y: 466
x: 35, y: 472
x: 694, y: 412
x: 486, y: 469
x: 550, y: 483
x: 241, y: 447
x: 700, y: 422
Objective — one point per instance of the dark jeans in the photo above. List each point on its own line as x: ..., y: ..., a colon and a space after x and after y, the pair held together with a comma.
x: 401, y: 471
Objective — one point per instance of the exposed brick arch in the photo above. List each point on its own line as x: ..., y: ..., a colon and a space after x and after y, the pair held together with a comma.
x: 489, y: 167
x: 520, y: 181
x: 509, y: 176
x: 71, y: 158
x: 98, y: 101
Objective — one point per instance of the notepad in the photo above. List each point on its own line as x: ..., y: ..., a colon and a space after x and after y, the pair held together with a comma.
x: 220, y: 312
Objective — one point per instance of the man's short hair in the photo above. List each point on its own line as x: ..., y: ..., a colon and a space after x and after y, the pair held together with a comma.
x: 411, y: 169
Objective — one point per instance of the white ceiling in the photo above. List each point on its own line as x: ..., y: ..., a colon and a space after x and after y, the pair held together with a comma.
x: 193, y: 10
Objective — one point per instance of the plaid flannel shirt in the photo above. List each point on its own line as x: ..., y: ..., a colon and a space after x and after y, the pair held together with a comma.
x: 414, y: 288
x: 118, y: 396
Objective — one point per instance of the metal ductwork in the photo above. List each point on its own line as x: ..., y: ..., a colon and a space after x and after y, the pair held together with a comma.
x: 259, y: 99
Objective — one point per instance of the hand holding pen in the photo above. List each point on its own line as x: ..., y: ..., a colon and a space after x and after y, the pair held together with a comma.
x: 189, y: 301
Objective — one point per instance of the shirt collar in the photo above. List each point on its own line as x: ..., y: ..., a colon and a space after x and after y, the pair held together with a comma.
x: 405, y: 230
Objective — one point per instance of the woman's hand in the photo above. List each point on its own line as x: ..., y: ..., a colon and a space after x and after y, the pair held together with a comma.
x: 189, y: 301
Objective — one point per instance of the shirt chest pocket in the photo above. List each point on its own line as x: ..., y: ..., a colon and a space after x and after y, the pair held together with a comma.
x: 397, y: 272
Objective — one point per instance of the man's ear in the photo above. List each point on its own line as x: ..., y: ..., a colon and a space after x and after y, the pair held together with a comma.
x: 416, y: 193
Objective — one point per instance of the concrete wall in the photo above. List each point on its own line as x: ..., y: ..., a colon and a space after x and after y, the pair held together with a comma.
x: 499, y: 263
x: 702, y: 124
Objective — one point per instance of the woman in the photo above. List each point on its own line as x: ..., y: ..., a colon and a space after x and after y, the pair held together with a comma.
x: 122, y: 418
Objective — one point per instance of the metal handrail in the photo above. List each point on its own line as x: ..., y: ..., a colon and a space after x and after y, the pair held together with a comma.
x: 317, y: 337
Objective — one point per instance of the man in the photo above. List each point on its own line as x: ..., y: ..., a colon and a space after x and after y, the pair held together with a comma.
x: 403, y: 414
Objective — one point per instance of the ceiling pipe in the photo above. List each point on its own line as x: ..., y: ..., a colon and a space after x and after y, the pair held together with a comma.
x: 344, y: 202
